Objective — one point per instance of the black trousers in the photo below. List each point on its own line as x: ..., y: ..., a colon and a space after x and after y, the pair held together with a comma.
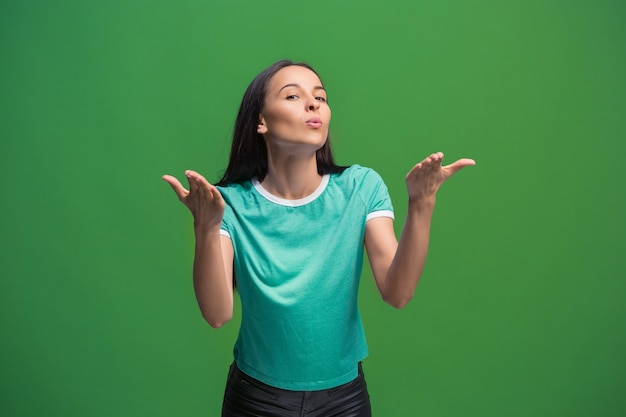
x: 249, y: 397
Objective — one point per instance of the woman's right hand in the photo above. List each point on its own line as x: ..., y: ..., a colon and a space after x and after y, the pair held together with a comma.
x: 203, y: 200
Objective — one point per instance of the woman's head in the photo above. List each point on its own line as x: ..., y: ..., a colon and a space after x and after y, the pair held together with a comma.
x: 248, y: 155
x: 295, y: 115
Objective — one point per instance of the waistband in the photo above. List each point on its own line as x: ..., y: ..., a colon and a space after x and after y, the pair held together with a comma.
x: 236, y: 374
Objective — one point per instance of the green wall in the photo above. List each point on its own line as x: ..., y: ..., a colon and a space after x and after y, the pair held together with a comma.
x: 521, y: 308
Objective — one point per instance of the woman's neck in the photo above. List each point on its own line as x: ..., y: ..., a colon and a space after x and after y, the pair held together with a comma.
x: 291, y: 177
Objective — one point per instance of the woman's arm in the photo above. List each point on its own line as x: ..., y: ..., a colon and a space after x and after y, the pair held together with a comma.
x: 213, y: 277
x: 397, y: 267
x: 213, y: 258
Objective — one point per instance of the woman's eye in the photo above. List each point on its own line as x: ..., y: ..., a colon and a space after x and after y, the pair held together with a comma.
x: 292, y: 97
x: 320, y: 98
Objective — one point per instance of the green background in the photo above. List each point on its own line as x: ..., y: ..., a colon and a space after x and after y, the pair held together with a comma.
x: 521, y: 310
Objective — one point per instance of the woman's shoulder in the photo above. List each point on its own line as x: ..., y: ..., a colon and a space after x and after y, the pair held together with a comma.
x: 235, y: 189
x: 358, y: 173
x: 359, y: 180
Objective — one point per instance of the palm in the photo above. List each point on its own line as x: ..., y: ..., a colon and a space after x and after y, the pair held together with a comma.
x: 203, y: 199
x: 426, y: 177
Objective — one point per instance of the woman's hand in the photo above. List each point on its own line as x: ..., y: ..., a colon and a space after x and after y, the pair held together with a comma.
x: 203, y: 200
x: 425, y: 178
x: 213, y: 257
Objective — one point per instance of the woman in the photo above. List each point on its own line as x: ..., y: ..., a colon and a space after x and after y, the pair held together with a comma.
x: 290, y: 225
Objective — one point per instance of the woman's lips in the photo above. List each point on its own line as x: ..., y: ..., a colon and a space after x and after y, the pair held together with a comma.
x: 314, y: 122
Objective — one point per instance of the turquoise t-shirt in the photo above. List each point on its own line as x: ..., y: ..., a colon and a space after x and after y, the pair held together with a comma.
x: 298, y: 265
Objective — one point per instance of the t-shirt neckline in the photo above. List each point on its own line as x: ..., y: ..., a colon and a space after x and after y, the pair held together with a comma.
x: 292, y: 203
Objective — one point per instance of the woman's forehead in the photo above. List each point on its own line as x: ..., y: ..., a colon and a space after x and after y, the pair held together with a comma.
x: 294, y: 74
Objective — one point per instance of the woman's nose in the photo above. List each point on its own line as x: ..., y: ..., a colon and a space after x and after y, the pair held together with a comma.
x: 313, y: 105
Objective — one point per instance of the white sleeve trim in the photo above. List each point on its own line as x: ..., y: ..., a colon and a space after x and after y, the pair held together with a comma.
x: 225, y: 233
x: 380, y: 213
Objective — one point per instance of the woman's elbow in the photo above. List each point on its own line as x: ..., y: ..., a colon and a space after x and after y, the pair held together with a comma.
x: 398, y: 301
x: 217, y: 321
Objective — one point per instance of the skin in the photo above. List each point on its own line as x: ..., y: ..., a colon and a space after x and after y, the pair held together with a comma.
x: 295, y: 95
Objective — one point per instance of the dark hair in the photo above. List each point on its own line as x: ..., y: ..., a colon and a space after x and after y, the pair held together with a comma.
x: 248, y: 153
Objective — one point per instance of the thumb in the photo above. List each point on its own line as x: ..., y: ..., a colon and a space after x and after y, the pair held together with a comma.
x: 178, y: 188
x: 458, y: 165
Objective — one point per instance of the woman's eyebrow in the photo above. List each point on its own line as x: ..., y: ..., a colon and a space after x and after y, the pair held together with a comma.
x: 317, y: 87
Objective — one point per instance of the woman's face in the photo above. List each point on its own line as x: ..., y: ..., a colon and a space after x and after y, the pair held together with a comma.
x: 295, y: 114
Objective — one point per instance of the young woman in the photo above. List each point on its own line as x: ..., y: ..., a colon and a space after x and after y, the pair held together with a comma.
x: 288, y: 227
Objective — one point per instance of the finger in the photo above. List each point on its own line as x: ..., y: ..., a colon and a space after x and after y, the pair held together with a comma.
x: 198, y: 178
x: 194, y: 183
x: 178, y: 188
x: 420, y: 165
x: 437, y: 156
x: 216, y: 196
x: 201, y: 184
x: 413, y: 172
x: 459, y: 164
x: 437, y: 159
x: 434, y: 158
x: 432, y: 163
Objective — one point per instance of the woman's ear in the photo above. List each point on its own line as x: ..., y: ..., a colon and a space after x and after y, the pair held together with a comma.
x: 261, y: 128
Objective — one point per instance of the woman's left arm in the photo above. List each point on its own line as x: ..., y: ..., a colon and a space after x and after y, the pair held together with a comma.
x: 397, y: 266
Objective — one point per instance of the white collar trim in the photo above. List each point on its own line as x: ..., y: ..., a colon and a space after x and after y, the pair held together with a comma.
x: 292, y: 203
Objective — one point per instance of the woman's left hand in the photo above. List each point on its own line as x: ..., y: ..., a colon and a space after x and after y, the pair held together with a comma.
x: 426, y: 177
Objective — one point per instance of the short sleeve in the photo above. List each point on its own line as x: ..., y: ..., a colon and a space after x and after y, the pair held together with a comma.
x: 226, y: 227
x: 376, y: 196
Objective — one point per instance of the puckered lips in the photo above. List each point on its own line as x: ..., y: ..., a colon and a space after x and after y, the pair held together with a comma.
x: 314, y: 122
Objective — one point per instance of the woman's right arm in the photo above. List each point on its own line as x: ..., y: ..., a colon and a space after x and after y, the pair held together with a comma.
x: 213, y: 277
x: 213, y: 257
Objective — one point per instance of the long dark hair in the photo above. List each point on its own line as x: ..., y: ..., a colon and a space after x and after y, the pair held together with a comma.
x: 248, y: 152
